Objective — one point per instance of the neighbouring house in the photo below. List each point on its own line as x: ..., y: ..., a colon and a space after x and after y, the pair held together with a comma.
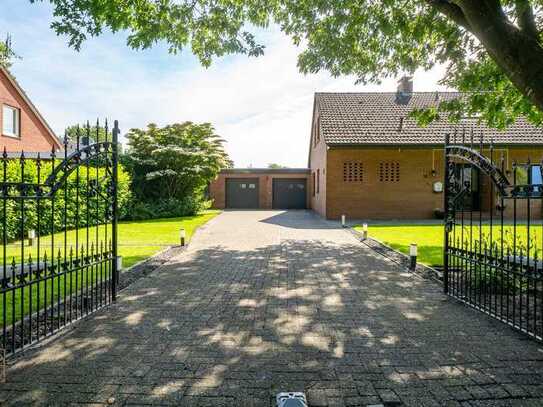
x: 23, y: 127
x: 369, y: 159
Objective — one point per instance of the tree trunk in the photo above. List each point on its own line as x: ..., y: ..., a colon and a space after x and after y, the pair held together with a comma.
x: 519, y: 55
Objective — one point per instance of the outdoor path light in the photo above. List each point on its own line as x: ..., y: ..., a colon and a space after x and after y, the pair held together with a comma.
x: 413, y: 256
x: 364, y: 231
x: 31, y: 237
x: 343, y: 220
x: 182, y: 235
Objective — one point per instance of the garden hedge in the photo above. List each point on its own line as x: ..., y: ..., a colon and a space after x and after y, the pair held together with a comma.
x: 76, y: 210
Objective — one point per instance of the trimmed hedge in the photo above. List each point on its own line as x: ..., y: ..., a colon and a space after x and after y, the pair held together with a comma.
x: 167, y: 208
x: 73, y: 206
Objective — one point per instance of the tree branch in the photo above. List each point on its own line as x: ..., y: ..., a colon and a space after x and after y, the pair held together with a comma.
x: 450, y: 10
x: 526, y: 19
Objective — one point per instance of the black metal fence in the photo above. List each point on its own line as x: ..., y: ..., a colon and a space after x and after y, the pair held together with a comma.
x: 494, y: 233
x: 58, y: 217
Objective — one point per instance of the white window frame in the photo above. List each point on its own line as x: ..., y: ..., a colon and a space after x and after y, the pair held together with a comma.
x: 17, y: 113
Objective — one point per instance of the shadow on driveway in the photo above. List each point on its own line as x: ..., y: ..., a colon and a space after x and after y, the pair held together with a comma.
x: 221, y: 326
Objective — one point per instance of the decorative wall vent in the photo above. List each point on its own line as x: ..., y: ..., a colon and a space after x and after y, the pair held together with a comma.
x: 389, y: 171
x: 353, y: 171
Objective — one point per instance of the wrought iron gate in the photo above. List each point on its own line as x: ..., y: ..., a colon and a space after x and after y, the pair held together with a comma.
x: 494, y: 233
x: 58, y: 214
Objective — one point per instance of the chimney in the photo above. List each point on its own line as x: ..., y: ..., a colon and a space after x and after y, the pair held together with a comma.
x: 404, y: 91
x: 405, y: 85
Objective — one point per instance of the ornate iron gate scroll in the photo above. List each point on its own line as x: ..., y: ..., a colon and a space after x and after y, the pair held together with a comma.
x: 494, y: 234
x: 58, y: 213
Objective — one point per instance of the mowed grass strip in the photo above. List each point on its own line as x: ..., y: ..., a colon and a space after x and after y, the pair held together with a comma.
x: 430, y: 238
x: 138, y: 240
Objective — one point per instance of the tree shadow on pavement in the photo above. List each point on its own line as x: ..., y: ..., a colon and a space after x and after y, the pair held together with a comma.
x: 230, y: 327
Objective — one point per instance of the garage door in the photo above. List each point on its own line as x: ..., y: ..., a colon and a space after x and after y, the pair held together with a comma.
x: 242, y: 193
x: 289, y: 193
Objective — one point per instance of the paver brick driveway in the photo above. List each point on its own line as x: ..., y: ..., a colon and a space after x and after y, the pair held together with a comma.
x: 268, y: 301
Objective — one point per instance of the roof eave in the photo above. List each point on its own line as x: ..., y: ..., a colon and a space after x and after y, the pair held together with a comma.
x: 427, y: 145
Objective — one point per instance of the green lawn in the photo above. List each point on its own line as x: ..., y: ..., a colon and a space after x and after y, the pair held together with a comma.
x: 137, y: 241
x: 429, y: 238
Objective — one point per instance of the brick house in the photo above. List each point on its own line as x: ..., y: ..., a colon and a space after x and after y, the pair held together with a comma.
x: 22, y: 125
x: 370, y: 160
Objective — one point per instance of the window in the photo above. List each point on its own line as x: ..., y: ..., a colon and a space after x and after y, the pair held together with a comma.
x: 10, y: 121
x: 535, y: 175
x: 353, y: 171
x: 529, y: 174
x: 389, y: 171
x: 313, y: 183
x: 318, y: 180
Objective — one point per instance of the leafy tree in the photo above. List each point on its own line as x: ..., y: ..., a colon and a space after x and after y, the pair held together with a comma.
x: 493, y: 48
x: 175, y: 161
x: 274, y: 166
x: 7, y: 55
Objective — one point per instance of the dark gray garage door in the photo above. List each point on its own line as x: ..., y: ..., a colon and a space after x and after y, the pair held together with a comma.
x: 242, y: 193
x: 289, y: 193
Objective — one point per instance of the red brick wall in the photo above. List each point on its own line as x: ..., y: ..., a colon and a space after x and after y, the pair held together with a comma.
x: 411, y: 197
x: 317, y: 158
x: 33, y: 134
x: 217, y: 188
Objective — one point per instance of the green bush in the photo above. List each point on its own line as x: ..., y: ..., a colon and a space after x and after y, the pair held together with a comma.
x: 167, y: 208
x: 78, y: 209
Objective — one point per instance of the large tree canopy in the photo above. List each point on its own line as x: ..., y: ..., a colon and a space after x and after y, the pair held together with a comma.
x: 175, y: 161
x: 492, y: 48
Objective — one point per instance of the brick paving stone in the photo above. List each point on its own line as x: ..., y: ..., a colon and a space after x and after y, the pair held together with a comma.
x: 268, y: 301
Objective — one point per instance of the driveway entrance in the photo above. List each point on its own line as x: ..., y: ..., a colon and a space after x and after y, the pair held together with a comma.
x: 270, y: 301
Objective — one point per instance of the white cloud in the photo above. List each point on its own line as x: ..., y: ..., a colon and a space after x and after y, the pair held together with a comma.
x: 261, y: 106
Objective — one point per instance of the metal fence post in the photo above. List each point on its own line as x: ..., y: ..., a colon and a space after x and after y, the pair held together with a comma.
x: 445, y: 217
x: 115, y: 214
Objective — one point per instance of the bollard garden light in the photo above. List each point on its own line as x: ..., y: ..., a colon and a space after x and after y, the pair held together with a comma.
x: 31, y: 237
x: 364, y: 231
x: 342, y: 220
x: 413, y: 256
x: 182, y: 235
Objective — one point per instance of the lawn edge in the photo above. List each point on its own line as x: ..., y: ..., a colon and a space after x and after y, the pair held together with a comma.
x: 398, y: 257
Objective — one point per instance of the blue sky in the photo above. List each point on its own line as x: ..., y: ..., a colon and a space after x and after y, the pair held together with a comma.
x: 260, y: 106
